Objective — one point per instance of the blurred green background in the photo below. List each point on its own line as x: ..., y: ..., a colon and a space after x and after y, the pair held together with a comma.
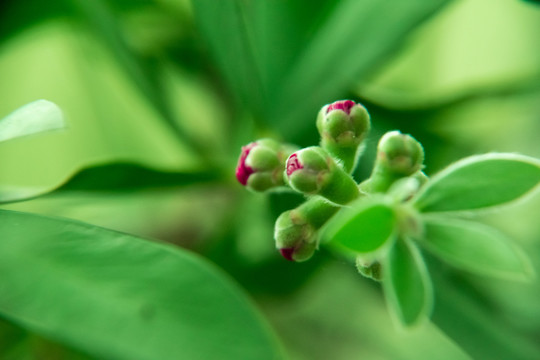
x: 160, y: 95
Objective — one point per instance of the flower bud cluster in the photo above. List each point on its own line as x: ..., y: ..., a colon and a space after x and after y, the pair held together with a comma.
x: 323, y: 174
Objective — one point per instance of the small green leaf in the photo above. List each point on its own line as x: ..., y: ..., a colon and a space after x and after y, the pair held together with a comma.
x: 35, y: 117
x: 115, y: 296
x: 475, y: 247
x: 406, y: 283
x: 478, y: 182
x: 364, y: 227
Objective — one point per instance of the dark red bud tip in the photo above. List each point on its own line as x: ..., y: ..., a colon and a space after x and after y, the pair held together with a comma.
x: 242, y: 170
x: 293, y: 164
x: 287, y: 253
x: 343, y: 105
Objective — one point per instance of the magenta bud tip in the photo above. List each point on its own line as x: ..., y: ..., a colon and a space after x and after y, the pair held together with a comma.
x: 242, y: 170
x: 287, y: 253
x: 343, y: 105
x: 293, y: 164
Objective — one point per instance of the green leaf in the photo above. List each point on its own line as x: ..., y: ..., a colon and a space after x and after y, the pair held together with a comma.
x: 406, y: 283
x: 349, y: 43
x: 285, y: 52
x: 478, y: 182
x: 142, y: 71
x: 35, y: 117
x: 411, y: 81
x: 118, y: 177
x: 475, y: 247
x: 109, y: 120
x: 364, y: 227
x: 477, y: 323
x: 227, y: 26
x: 115, y: 296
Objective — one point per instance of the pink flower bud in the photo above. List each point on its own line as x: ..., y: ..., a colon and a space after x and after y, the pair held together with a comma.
x: 287, y: 253
x: 343, y: 125
x: 243, y: 171
x: 261, y: 164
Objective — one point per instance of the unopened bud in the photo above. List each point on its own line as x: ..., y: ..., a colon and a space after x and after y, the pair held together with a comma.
x: 296, y: 231
x: 296, y: 239
x: 400, y: 153
x: 313, y: 171
x: 398, y: 156
x: 343, y: 126
x: 261, y: 164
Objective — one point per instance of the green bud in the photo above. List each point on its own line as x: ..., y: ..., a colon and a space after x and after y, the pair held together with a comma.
x: 295, y: 238
x: 398, y: 156
x: 261, y: 164
x: 313, y: 171
x: 343, y: 126
x: 296, y: 231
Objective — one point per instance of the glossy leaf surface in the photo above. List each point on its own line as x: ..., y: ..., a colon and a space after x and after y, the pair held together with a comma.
x: 478, y: 182
x: 364, y: 227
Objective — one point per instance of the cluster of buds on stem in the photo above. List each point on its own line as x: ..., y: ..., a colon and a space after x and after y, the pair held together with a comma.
x: 322, y: 174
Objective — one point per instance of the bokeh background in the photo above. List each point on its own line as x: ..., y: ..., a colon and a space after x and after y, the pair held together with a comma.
x: 159, y: 96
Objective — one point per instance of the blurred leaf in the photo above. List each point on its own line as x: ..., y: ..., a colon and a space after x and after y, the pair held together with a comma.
x: 109, y: 121
x: 475, y: 247
x: 11, y: 338
x: 478, y: 182
x: 118, y: 177
x: 474, y: 322
x: 35, y: 117
x: 406, y: 283
x: 285, y: 63
x: 340, y: 316
x: 16, y: 16
x: 142, y: 71
x: 18, y: 344
x: 444, y: 62
x: 223, y: 24
x: 363, y: 227
x: 354, y: 39
x: 79, y: 284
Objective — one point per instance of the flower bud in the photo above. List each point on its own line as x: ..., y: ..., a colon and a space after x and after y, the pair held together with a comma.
x: 261, y: 164
x: 398, y: 156
x: 313, y: 171
x: 296, y: 239
x: 343, y: 125
x: 296, y: 230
